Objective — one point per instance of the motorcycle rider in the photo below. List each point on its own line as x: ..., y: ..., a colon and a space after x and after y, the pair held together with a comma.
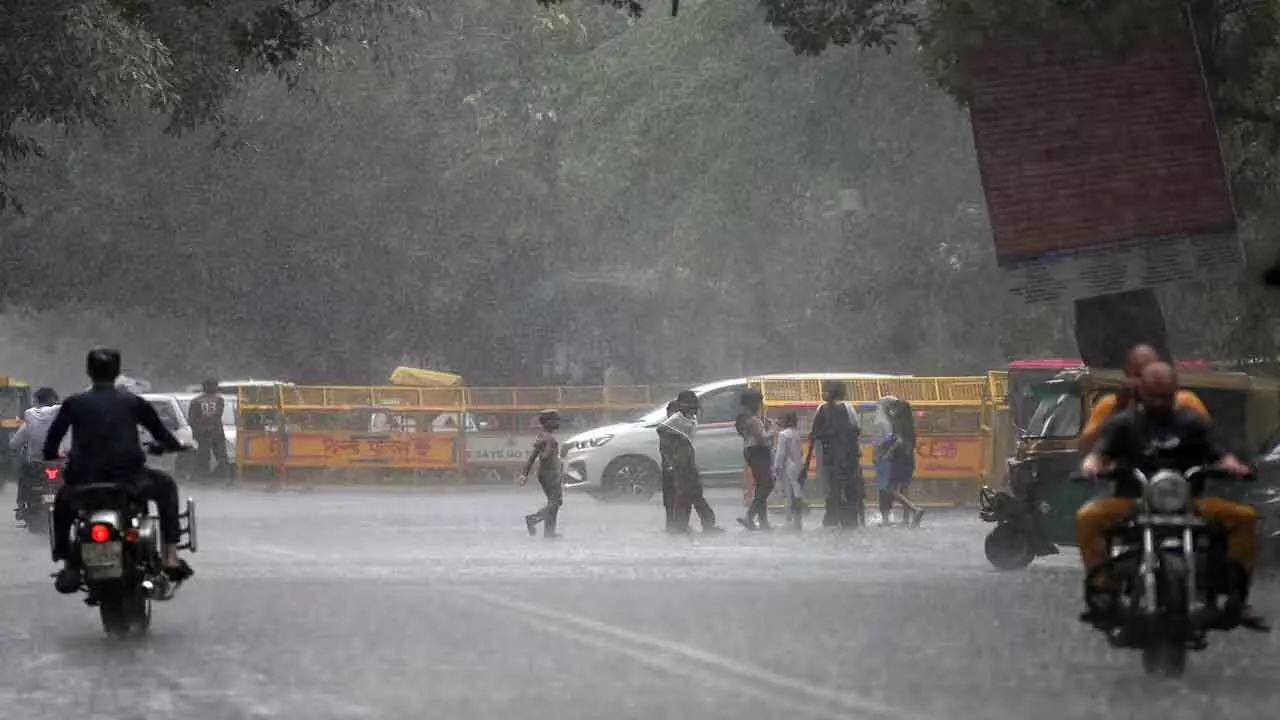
x: 1154, y: 435
x: 30, y: 437
x: 104, y: 423
x: 1139, y: 357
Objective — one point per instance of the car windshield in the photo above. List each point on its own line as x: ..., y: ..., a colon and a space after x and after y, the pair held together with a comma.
x: 168, y: 414
x: 1057, y: 414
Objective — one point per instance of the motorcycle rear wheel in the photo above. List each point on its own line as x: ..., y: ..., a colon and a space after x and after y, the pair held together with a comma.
x: 124, y: 611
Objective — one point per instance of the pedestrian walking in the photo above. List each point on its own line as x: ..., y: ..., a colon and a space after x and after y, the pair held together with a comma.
x: 205, y: 414
x: 904, y: 461
x: 836, y: 432
x: 757, y: 451
x: 678, y: 431
x: 668, y: 473
x: 546, y: 455
x: 894, y: 458
x: 788, y: 469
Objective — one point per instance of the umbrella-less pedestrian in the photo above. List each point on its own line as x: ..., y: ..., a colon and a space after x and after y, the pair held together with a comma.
x: 546, y: 455
x: 757, y: 451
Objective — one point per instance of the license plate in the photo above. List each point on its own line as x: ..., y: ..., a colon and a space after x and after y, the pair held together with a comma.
x: 48, y: 498
x: 100, y: 554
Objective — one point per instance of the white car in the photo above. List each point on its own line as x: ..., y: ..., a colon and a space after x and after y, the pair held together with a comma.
x: 228, y: 418
x: 622, y: 460
x: 174, y: 417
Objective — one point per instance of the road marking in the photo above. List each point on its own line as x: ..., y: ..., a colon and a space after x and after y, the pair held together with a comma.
x: 656, y: 652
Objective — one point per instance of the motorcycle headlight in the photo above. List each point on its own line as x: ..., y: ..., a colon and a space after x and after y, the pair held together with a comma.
x: 1169, y: 492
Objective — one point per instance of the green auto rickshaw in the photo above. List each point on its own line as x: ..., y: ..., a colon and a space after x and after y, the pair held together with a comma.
x: 1035, y: 513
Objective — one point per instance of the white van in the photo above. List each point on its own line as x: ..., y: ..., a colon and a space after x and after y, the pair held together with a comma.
x: 622, y: 461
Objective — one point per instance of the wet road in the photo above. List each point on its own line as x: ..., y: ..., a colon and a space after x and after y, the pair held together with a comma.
x: 436, y: 604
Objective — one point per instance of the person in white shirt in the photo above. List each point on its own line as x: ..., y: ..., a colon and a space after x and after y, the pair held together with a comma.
x: 788, y: 469
x: 30, y: 436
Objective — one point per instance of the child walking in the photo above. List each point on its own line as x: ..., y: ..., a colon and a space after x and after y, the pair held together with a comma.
x: 788, y: 469
x: 546, y: 454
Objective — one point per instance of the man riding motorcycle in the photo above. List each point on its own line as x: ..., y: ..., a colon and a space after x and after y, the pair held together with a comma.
x: 1157, y: 435
x: 1139, y: 357
x: 30, y: 437
x: 104, y: 422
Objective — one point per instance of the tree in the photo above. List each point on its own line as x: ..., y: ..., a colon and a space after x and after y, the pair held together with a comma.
x: 76, y: 62
x: 1240, y: 46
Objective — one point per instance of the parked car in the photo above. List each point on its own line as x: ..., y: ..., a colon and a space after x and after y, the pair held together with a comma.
x: 228, y: 418
x: 174, y: 417
x: 621, y: 460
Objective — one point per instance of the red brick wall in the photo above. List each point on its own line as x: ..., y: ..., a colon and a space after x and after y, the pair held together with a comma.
x: 1078, y: 148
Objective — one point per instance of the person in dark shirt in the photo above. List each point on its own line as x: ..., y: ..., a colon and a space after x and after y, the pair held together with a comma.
x: 836, y: 430
x: 1157, y: 435
x: 668, y: 473
x: 205, y: 412
x: 546, y: 455
x: 104, y: 424
x: 677, y: 432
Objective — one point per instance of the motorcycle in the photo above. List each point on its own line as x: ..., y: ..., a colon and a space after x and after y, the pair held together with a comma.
x: 1169, y: 566
x: 116, y: 539
x: 35, y: 504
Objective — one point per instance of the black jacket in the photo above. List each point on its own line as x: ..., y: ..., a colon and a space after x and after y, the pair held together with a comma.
x: 104, y: 441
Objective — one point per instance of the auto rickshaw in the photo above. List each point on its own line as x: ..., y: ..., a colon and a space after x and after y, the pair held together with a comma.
x: 15, y: 398
x: 1035, y: 513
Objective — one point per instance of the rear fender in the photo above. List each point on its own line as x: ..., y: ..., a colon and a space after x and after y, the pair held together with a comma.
x: 110, y: 518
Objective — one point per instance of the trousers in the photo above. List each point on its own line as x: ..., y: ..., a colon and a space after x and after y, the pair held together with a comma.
x: 1097, y: 516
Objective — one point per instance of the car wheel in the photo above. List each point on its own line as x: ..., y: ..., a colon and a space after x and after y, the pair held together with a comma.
x: 631, y: 477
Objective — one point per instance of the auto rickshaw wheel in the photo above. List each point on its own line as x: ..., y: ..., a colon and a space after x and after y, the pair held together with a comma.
x: 1008, y: 548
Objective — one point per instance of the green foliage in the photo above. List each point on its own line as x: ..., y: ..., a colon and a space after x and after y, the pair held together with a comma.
x: 73, y: 62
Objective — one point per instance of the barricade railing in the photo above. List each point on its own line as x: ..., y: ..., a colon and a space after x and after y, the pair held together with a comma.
x: 484, y: 432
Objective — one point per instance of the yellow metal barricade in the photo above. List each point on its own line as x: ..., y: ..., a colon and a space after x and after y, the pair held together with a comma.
x: 997, y: 431
x: 506, y: 419
x: 485, y: 432
x: 349, y: 428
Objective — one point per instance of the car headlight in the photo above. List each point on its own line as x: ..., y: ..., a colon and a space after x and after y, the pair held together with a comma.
x: 1168, y: 492
x: 589, y: 443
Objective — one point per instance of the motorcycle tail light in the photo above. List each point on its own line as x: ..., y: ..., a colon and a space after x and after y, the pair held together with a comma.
x: 131, y: 535
x: 52, y: 473
x: 99, y: 533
